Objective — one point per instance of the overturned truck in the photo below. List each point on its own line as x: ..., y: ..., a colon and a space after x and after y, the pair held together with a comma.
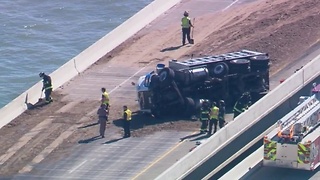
x: 179, y: 88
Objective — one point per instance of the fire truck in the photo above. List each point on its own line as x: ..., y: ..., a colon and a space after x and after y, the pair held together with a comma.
x: 296, y: 141
x: 179, y: 88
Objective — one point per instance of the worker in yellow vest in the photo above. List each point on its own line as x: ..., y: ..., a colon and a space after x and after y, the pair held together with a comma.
x: 214, y: 112
x: 126, y: 121
x: 105, y: 97
x: 186, y: 28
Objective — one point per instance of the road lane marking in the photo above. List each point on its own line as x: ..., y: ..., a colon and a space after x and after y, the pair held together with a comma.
x: 230, y: 5
x: 161, y: 157
x: 130, y: 77
x: 75, y: 168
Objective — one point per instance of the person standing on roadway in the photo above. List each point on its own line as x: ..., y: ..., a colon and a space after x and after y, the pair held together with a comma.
x: 222, y: 112
x: 186, y: 28
x: 105, y: 98
x: 242, y: 104
x: 204, y: 116
x: 214, y: 112
x: 126, y: 121
x: 103, y: 117
x: 47, y: 86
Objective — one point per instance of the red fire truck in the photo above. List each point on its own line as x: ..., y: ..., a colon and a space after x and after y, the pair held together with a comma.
x: 297, y: 140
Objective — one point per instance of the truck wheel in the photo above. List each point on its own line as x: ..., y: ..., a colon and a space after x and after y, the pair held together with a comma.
x: 154, y: 81
x: 219, y: 70
x: 166, y: 76
x: 239, y: 66
x: 259, y: 63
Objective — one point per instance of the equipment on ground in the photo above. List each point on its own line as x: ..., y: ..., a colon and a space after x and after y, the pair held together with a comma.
x: 297, y: 140
x: 178, y: 88
x: 192, y: 40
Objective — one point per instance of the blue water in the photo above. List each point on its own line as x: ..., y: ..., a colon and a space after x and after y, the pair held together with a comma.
x: 42, y: 35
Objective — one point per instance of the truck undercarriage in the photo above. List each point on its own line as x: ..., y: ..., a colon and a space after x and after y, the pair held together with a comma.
x: 178, y: 88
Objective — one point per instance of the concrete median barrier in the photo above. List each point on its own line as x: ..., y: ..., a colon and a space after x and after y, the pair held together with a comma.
x: 245, y: 127
x: 86, y: 58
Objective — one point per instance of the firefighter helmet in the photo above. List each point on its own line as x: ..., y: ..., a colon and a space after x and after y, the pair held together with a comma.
x: 41, y: 74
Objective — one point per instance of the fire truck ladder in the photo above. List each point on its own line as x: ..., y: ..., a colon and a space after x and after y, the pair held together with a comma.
x: 302, y: 120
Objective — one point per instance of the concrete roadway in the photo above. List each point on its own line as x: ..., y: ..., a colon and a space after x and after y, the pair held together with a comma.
x: 113, y: 157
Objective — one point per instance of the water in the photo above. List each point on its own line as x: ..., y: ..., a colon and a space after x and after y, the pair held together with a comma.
x: 42, y: 35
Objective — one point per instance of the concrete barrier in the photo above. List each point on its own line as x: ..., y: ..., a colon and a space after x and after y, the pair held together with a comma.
x: 86, y: 58
x: 246, y: 126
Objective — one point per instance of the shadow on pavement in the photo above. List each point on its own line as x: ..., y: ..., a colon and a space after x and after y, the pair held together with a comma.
x: 89, y: 125
x: 113, y: 140
x: 172, y: 48
x: 140, y: 120
x: 204, y: 136
x: 191, y: 136
x: 85, y: 141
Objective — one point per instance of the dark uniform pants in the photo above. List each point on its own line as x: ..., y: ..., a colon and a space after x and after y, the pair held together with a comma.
x: 204, y: 125
x: 126, y: 128
x: 103, y: 123
x: 211, y: 123
x: 185, y: 33
x: 47, y: 93
x: 221, y: 122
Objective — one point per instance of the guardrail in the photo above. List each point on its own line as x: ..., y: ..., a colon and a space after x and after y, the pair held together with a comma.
x: 86, y: 58
x: 245, y: 127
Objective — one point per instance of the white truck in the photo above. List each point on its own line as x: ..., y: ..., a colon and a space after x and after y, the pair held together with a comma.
x: 297, y: 140
x: 178, y: 88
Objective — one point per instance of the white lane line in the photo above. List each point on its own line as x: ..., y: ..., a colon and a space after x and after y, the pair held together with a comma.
x: 75, y: 168
x: 130, y: 77
x: 230, y: 5
x: 24, y: 140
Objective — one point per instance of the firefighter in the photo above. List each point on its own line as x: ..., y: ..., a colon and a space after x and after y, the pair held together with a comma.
x: 214, y: 112
x: 242, y: 104
x: 222, y: 112
x: 105, y: 98
x: 186, y: 28
x: 103, y: 117
x: 204, y: 116
x: 47, y: 86
x: 126, y: 121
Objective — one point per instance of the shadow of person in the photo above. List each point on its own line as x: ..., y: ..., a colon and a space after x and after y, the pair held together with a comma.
x: 89, y: 125
x: 190, y: 136
x: 113, y: 140
x: 204, y: 136
x: 172, y: 48
x: 85, y: 141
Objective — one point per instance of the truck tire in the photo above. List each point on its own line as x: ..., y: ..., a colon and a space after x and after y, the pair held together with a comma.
x: 259, y: 63
x: 219, y: 70
x: 154, y: 83
x: 166, y: 76
x: 241, y: 66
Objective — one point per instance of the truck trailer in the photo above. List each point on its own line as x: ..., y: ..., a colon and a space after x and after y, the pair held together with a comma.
x: 296, y: 141
x: 179, y: 88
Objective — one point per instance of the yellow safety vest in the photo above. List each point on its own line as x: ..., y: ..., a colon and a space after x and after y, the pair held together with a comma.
x: 214, y: 112
x: 185, y: 22
x: 128, y: 112
x: 106, y: 98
